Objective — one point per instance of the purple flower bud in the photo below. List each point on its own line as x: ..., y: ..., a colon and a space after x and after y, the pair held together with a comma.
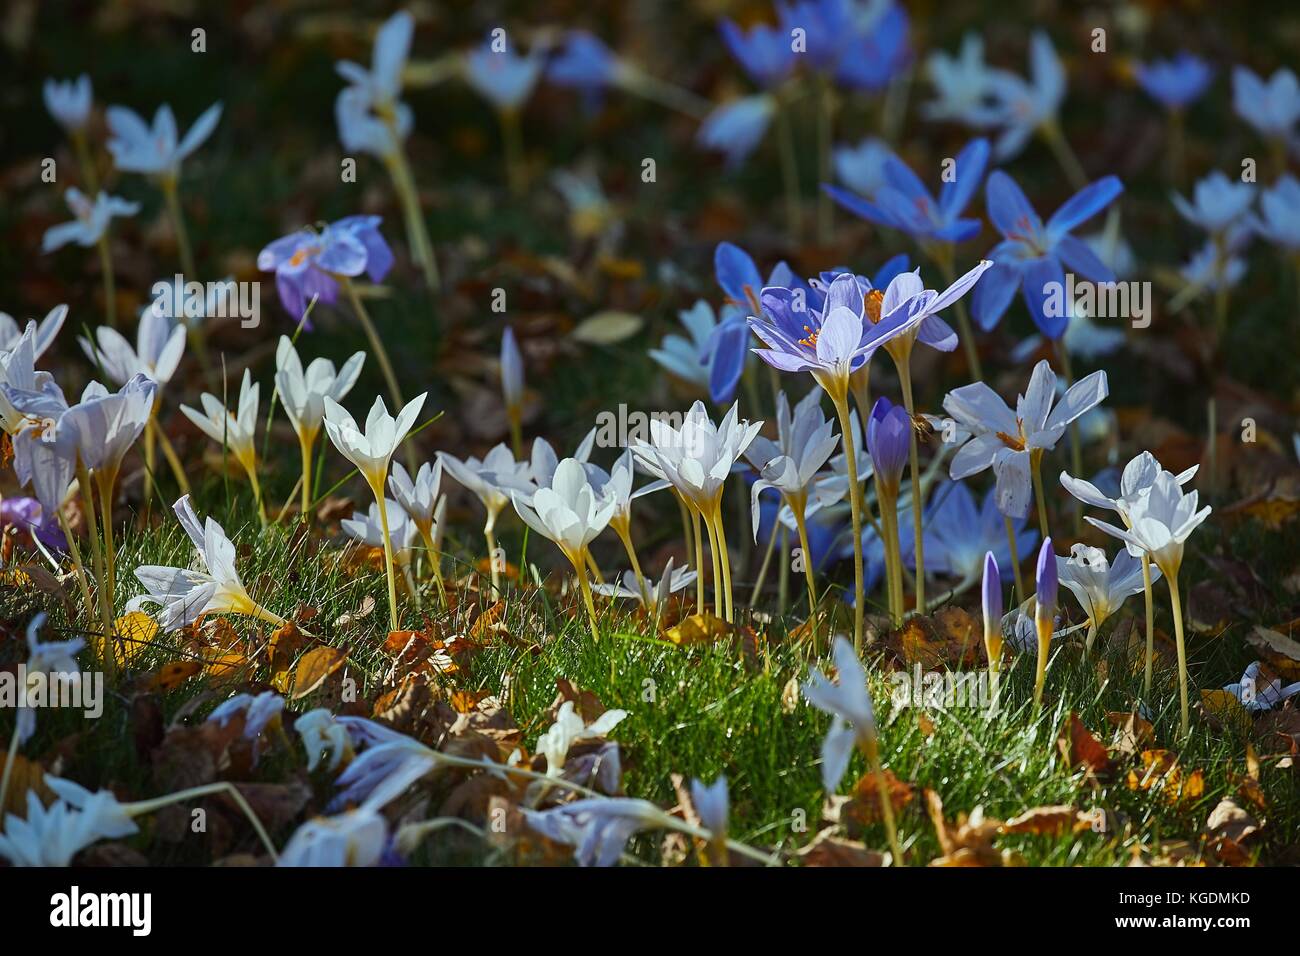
x: 992, y: 594
x: 888, y: 437
x: 1045, y: 577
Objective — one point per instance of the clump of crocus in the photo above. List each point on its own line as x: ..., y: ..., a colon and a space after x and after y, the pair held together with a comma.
x: 1162, y: 520
x: 303, y: 394
x: 372, y: 452
x: 236, y: 432
x: 1046, y: 586
x: 697, y: 459
x: 992, y: 607
x: 853, y: 724
x: 1135, y: 481
x: 570, y: 513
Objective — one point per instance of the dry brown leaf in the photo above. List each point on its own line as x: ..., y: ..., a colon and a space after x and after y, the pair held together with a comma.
x: 315, y: 667
x: 1081, y: 748
x: 702, y: 628
x: 1051, y: 821
x: 26, y: 775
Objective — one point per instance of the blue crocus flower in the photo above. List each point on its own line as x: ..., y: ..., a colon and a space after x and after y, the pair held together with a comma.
x: 822, y: 530
x: 826, y: 26
x: 876, y: 51
x: 1032, y: 256
x: 862, y: 167
x: 1271, y: 107
x: 737, y: 127
x: 1280, y: 213
x: 584, y: 63
x: 764, y: 52
x: 727, y: 347
x: 1176, y: 83
x: 904, y: 203
x: 1218, y: 203
x: 958, y: 534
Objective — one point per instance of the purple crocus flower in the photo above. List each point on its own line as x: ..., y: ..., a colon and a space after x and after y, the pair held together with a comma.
x: 889, y: 432
x: 306, y: 262
x: 26, y: 514
x: 1176, y: 83
x: 1046, y: 583
x: 959, y: 532
x: 764, y: 52
x: 727, y: 346
x: 904, y: 203
x: 1032, y: 257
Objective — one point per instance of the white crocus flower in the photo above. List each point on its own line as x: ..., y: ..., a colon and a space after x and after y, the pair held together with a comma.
x: 91, y: 222
x: 69, y: 102
x: 260, y: 711
x: 569, y: 728
x: 183, y: 595
x: 303, y: 394
x: 1100, y: 586
x: 1160, y: 522
x: 45, y: 331
x: 490, y: 479
x: 616, y: 485
x: 322, y: 734
x: 156, y: 355
x: 697, y: 459
x: 53, y: 835
x: 45, y: 660
x: 805, y: 441
x: 652, y: 595
x: 106, y: 424
x: 1013, y: 442
x: 424, y: 504
x: 1260, y: 690
x: 1137, y: 478
x: 237, y: 432
x: 139, y: 148
x: 598, y: 828
x: 571, y: 514
x: 713, y: 807
x: 372, y: 452
x: 354, y: 838
x: 368, y: 528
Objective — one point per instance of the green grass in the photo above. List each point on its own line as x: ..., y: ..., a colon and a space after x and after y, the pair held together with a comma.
x: 704, y: 710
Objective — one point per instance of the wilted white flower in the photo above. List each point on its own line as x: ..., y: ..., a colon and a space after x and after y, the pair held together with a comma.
x: 259, y: 712
x: 322, y: 734
x: 568, y: 729
x: 354, y: 838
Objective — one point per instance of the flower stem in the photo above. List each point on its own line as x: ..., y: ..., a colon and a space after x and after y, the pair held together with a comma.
x: 304, y: 445
x: 106, y: 480
x: 97, y: 556
x: 110, y: 287
x: 699, y: 561
x: 712, y: 530
x: 855, y: 509
x: 905, y: 380
x: 512, y: 140
x: 1060, y: 146
x: 173, y: 461
x: 87, y: 164
x: 1176, y: 603
x: 1151, y: 625
x: 893, y: 553
x: 381, y: 353
x: 489, y: 535
x: 943, y: 254
x: 797, y: 505
x: 9, y: 766
x: 149, y: 806
x: 1036, y: 469
x: 78, y: 566
x: 417, y: 233
x: 585, y: 586
x: 1015, y: 558
x: 871, y: 750
x: 686, y: 532
x: 171, y: 194
x: 516, y: 432
x: 388, y: 555
x: 623, y: 529
x: 789, y: 171
x: 766, y: 563
x: 724, y: 556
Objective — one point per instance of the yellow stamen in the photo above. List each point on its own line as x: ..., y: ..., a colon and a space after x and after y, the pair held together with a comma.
x: 872, y: 303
